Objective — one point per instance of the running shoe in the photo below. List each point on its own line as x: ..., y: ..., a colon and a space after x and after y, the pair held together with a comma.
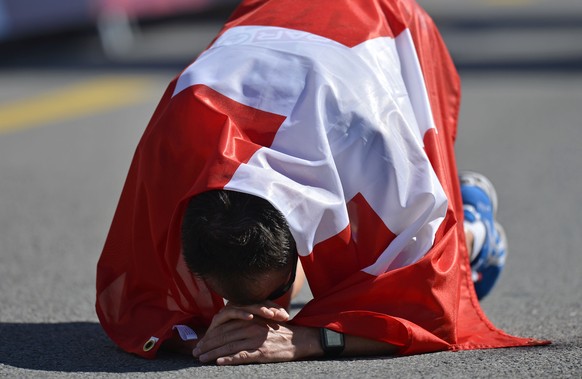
x: 490, y: 247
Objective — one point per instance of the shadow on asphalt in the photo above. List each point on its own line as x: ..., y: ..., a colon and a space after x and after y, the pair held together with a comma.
x: 79, y: 347
x: 75, y: 347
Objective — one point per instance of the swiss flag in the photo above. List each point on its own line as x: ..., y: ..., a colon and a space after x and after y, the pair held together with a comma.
x: 343, y: 115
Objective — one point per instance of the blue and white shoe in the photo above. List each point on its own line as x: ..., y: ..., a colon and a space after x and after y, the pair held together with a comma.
x: 490, y: 245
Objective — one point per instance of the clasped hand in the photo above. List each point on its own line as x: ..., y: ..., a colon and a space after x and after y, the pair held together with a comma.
x: 248, y: 334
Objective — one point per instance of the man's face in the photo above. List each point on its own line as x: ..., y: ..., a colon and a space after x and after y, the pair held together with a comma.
x: 270, y: 285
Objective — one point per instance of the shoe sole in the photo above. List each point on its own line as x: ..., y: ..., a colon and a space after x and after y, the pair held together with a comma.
x: 500, y: 261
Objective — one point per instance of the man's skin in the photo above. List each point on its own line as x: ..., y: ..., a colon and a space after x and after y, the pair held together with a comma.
x: 260, y: 333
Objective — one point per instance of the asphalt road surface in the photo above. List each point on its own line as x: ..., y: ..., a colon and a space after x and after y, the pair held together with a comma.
x: 62, y: 169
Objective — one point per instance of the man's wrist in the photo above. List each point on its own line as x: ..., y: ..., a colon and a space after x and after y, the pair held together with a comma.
x: 307, y: 342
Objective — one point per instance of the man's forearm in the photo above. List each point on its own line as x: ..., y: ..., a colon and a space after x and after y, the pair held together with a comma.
x: 308, y: 343
x: 358, y: 346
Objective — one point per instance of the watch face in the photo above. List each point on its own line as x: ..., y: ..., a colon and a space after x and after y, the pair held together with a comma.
x: 332, y: 342
x: 333, y: 338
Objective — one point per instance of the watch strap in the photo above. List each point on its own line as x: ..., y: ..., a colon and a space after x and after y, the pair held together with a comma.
x: 332, y: 342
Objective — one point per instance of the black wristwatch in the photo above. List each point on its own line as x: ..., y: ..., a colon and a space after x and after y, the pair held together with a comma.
x: 332, y: 342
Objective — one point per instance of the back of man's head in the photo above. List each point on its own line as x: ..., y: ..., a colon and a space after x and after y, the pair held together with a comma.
x: 233, y: 238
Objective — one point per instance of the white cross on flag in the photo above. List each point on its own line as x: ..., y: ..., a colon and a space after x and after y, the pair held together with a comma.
x: 344, y: 118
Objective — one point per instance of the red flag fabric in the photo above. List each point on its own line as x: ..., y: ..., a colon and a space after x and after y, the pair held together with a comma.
x: 343, y: 115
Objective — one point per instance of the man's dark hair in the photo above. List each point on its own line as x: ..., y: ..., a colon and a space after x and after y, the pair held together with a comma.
x: 233, y: 237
